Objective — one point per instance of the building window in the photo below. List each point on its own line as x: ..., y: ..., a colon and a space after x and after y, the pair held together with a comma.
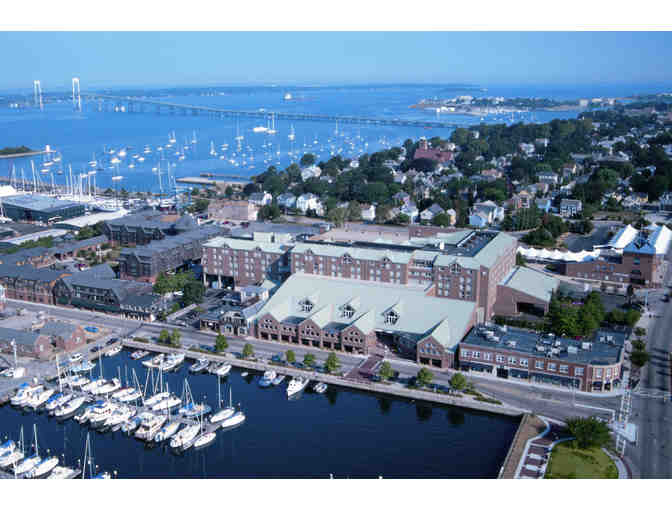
x: 539, y: 365
x: 465, y: 353
x: 476, y: 354
x: 499, y: 358
x: 598, y: 373
x: 391, y: 317
x: 512, y: 360
x: 564, y: 369
x: 487, y: 356
x: 348, y: 312
x: 306, y: 305
x: 523, y: 362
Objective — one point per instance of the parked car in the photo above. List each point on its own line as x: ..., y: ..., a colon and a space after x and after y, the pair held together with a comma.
x: 111, y: 341
x: 96, y: 348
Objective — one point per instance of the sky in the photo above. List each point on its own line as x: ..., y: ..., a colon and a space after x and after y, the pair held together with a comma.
x: 220, y: 58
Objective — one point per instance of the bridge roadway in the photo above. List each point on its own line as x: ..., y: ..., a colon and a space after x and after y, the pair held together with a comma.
x: 278, y: 115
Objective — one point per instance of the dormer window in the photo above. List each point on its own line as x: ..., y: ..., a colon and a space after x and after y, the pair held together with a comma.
x: 306, y: 305
x: 391, y: 317
x: 347, y: 259
x: 348, y: 312
x: 455, y: 269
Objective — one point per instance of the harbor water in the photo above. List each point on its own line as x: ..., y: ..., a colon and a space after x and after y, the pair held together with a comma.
x: 341, y: 433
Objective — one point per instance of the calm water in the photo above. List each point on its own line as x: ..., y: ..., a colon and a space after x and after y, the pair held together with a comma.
x: 82, y: 137
x: 346, y: 433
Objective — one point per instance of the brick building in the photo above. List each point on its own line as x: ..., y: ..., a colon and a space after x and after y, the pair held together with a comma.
x: 239, y: 210
x: 28, y: 343
x: 438, y: 155
x: 28, y: 283
x: 588, y: 365
x: 64, y: 335
x: 147, y: 226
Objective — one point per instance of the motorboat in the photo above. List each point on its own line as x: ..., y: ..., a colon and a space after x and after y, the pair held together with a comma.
x: 62, y: 473
x: 155, y: 399
x: 296, y: 385
x: 172, y: 361
x: 139, y: 354
x: 120, y: 415
x: 235, y: 419
x: 114, y: 351
x: 57, y: 400
x: 69, y: 407
x: 278, y: 380
x: 11, y: 458
x: 24, y: 392
x: 204, y: 439
x: 150, y: 426
x: 84, y: 366
x: 166, y: 404
x: 267, y: 379
x: 121, y: 393
x: 7, y: 447
x: 129, y: 426
x: 93, y: 385
x: 167, y: 431
x: 76, y: 358
x: 27, y: 464
x: 131, y: 396
x: 320, y: 387
x: 43, y: 468
x: 200, y: 366
x: 88, y: 412
x: 155, y: 362
x: 192, y: 410
x: 76, y: 381
x: 185, y: 436
x: 110, y: 387
x: 39, y: 398
x: 101, y: 413
x: 222, y: 369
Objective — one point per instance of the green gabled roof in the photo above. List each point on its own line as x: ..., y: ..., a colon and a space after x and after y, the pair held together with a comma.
x: 531, y: 282
x: 330, y: 250
x: 323, y: 316
x: 447, y: 260
x: 443, y: 334
x: 365, y: 322
x: 355, y: 303
x: 245, y: 244
x: 491, y: 251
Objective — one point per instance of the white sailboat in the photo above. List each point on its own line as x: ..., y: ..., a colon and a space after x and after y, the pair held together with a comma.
x: 291, y: 134
x: 296, y: 385
x: 69, y: 407
x: 29, y: 462
x: 223, y: 413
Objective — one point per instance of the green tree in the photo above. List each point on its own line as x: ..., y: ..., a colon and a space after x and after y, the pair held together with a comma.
x: 307, y: 159
x: 175, y: 338
x: 639, y: 357
x: 424, y: 377
x: 441, y: 220
x: 162, y: 284
x: 164, y: 336
x: 458, y: 381
x: 193, y: 293
x: 639, y: 331
x: 290, y: 357
x: 221, y: 344
x: 354, y: 211
x: 589, y: 432
x: 385, y: 371
x: 337, y: 216
x: 248, y: 351
x: 309, y: 360
x: 332, y: 364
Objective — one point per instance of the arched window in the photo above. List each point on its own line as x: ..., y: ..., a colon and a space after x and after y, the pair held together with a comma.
x: 306, y: 305
x: 348, y: 312
x: 391, y: 317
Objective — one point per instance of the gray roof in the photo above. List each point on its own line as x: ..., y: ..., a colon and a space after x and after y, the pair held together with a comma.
x: 601, y: 352
x: 29, y: 272
x: 21, y: 337
x: 171, y: 242
x: 41, y: 203
x: 58, y: 328
x: 532, y: 282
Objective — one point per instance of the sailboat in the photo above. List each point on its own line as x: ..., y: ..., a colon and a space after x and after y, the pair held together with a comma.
x: 88, y: 462
x: 234, y: 419
x: 190, y: 409
x: 271, y: 130
x: 291, y: 134
x: 238, y: 137
x: 225, y: 412
x: 204, y: 438
x: 14, y: 456
x: 29, y: 462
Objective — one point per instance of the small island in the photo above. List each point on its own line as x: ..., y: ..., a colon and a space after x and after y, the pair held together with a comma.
x: 11, y: 151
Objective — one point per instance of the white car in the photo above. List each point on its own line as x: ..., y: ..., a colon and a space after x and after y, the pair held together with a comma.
x: 76, y: 357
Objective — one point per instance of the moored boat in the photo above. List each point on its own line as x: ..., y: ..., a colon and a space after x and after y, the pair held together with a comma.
x: 267, y: 379
x: 296, y: 385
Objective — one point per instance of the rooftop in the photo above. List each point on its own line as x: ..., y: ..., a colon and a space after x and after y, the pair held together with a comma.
x: 603, y: 348
x: 36, y: 202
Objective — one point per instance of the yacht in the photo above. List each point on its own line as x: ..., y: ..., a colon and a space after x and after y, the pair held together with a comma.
x: 62, y: 473
x: 185, y: 436
x: 76, y: 357
x: 155, y: 399
x: 132, y: 395
x: 114, y: 351
x: 166, y: 404
x: 24, y: 392
x: 259, y: 129
x: 7, y: 447
x: 132, y: 424
x: 150, y: 426
x: 101, y: 413
x: 139, y: 354
x: 84, y: 366
x: 172, y: 361
x: 222, y: 370
x: 199, y: 366
x: 69, y: 407
x: 155, y: 362
x: 27, y: 464
x: 11, y: 458
x: 120, y: 415
x: 107, y: 388
x: 76, y: 381
x: 232, y: 421
x: 57, y: 400
x: 224, y: 413
x: 267, y: 379
x: 121, y: 393
x: 278, y: 379
x: 296, y: 385
x: 43, y: 468
x: 204, y: 439
x: 39, y: 398
x: 193, y: 410
x: 93, y: 385
x: 167, y: 431
x: 320, y: 387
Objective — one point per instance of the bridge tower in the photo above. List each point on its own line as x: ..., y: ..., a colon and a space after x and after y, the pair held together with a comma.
x: 37, y: 92
x: 76, y: 96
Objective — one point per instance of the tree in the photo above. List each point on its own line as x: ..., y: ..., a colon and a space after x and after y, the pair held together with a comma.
x: 354, y: 211
x: 639, y: 358
x: 164, y: 336
x: 221, y: 344
x: 424, y: 377
x: 307, y: 159
x: 309, y: 360
x: 337, y: 216
x: 175, y: 338
x: 290, y: 357
x: 458, y: 381
x: 639, y: 331
x: 630, y: 292
x: 441, y: 220
x: 520, y: 260
x: 385, y: 371
x: 332, y: 364
x: 248, y: 351
x: 193, y: 293
x: 162, y: 284
x: 589, y: 432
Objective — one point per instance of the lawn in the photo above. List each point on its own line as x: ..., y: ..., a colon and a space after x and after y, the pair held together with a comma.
x: 568, y: 461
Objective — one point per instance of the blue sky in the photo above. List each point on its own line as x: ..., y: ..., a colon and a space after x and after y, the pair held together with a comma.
x: 194, y: 58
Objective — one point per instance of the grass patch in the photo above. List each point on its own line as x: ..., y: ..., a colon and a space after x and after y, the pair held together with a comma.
x: 568, y: 461
x: 141, y: 340
x: 488, y: 400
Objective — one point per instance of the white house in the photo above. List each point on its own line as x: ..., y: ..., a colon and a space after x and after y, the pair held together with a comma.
x: 368, y: 212
x: 548, y: 177
x: 308, y: 201
x: 478, y: 219
x: 411, y: 211
x: 287, y: 200
x: 489, y: 210
x: 261, y: 198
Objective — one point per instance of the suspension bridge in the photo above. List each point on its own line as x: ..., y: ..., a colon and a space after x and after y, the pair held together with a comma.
x: 131, y: 104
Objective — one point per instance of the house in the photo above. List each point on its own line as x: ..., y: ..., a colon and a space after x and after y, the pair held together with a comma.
x: 287, y: 200
x: 543, y: 204
x: 402, y: 197
x: 411, y: 211
x: 491, y: 211
x: 522, y: 200
x: 64, y: 335
x: 308, y: 201
x: 570, y: 207
x: 261, y: 198
x: 539, y: 187
x: 550, y: 178
x: 368, y: 212
x: 28, y: 343
x: 478, y: 219
x: 399, y: 177
x: 429, y: 213
x: 542, y: 142
x: 311, y: 171
x: 526, y: 148
x: 439, y: 155
x: 491, y: 174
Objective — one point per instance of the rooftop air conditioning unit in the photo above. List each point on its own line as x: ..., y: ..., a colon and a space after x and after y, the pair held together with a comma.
x: 511, y: 343
x: 558, y: 343
x: 555, y: 351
